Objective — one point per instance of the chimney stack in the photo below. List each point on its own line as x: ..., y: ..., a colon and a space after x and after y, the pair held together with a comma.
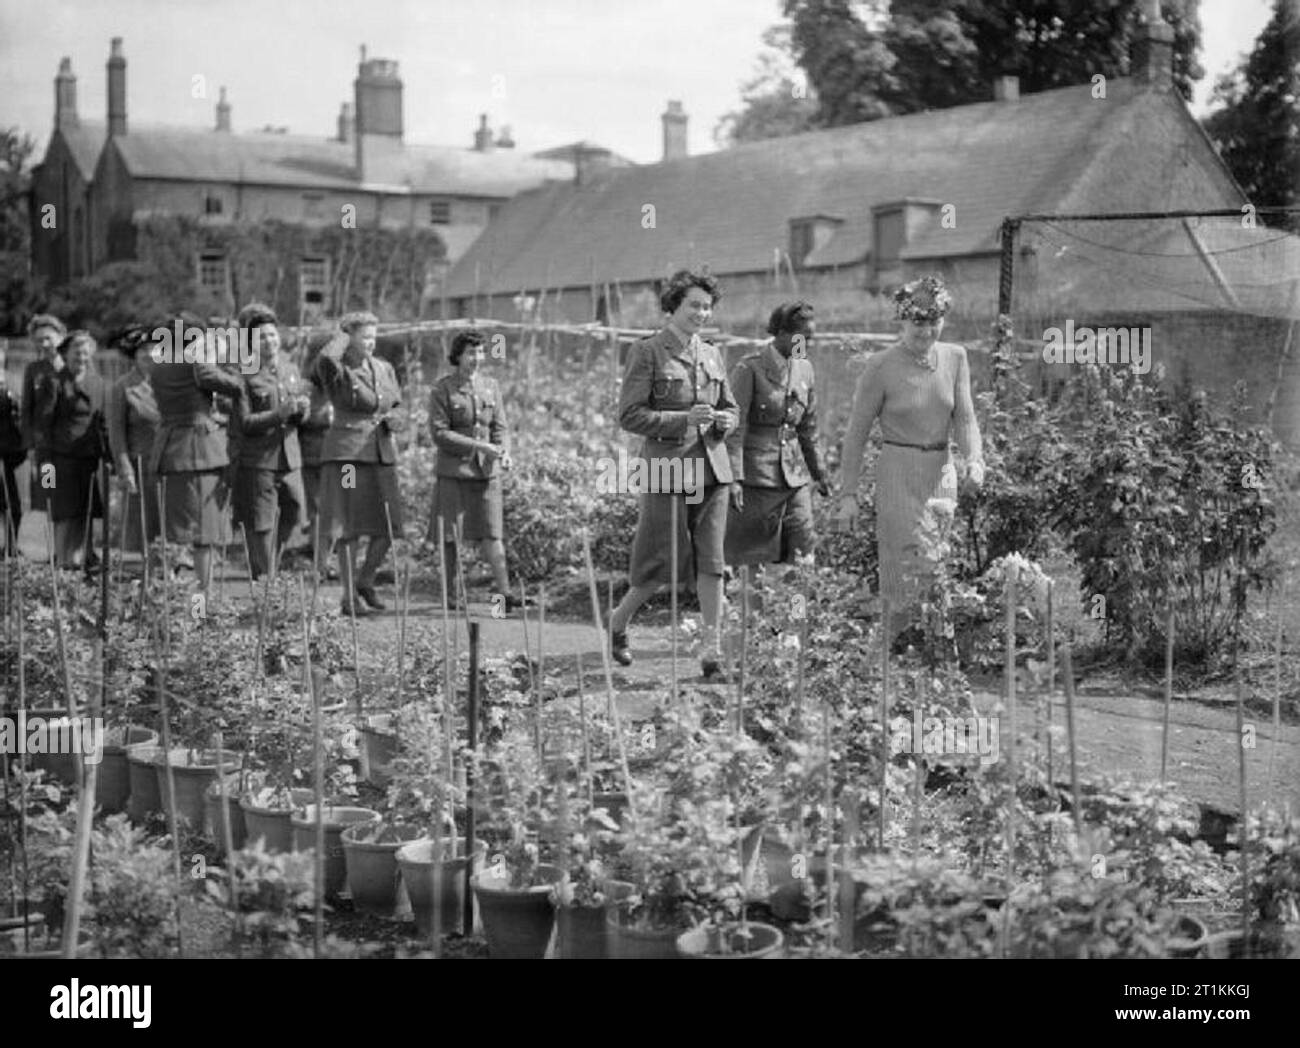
x: 1006, y: 88
x: 347, y: 123
x: 505, y: 140
x: 483, y: 136
x: 378, y: 92
x: 116, y: 89
x: 1153, y: 50
x: 674, y: 121
x: 223, y: 112
x: 65, y: 96
x: 588, y: 161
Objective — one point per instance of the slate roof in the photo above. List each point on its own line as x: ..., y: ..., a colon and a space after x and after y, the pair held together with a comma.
x: 731, y: 208
x: 84, y: 142
x: 261, y: 158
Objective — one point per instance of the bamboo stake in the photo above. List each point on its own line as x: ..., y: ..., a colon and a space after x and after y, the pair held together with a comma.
x: 448, y: 690
x: 1010, y: 591
x: 318, y: 765
x: 830, y: 824
x: 586, y: 737
x: 22, y: 766
x: 541, y: 665
x: 228, y: 839
x: 64, y: 670
x: 163, y: 633
x: 460, y: 576
x: 348, y: 545
x: 86, y: 781
x: 121, y: 554
x: 1169, y: 694
x: 144, y: 531
x: 1051, y: 673
x: 800, y: 656
x: 1067, y: 680
x: 846, y: 886
x: 397, y: 600
x: 744, y: 645
x: 528, y: 665
x: 470, y: 814
x: 672, y: 530
x: 1241, y: 749
x: 884, y: 719
x: 1277, y: 696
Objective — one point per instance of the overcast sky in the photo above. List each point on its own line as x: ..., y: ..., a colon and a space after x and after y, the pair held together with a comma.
x: 554, y: 70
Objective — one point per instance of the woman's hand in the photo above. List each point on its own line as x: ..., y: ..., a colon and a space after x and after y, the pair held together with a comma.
x: 975, y: 474
x: 492, y: 451
x: 738, y: 496
x: 823, y: 489
x: 699, y: 415
x: 506, y: 461
x: 847, y: 513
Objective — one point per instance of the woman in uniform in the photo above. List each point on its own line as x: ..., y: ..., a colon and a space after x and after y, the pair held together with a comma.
x: 919, y: 389
x: 46, y: 332
x: 467, y: 419
x: 190, y: 453
x: 774, y: 449
x: 676, y: 396
x: 70, y: 425
x: 132, y: 425
x: 359, y: 458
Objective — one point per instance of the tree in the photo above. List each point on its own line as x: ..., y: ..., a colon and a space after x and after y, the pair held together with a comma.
x: 18, y: 289
x: 776, y: 100
x: 870, y: 59
x: 1257, y: 127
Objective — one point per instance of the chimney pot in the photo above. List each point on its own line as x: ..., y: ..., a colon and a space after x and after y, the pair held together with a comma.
x: 116, y: 88
x: 505, y: 140
x: 378, y: 113
x: 65, y: 96
x: 483, y: 136
x: 347, y: 123
x: 1152, y: 59
x: 1006, y: 88
x: 223, y: 112
x: 674, y: 121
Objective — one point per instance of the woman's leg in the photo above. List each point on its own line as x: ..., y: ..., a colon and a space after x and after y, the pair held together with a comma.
x: 203, y: 564
x: 494, y: 552
x: 630, y: 605
x: 347, y: 549
x: 64, y: 546
x: 710, y: 589
x: 259, y: 553
x: 376, y: 550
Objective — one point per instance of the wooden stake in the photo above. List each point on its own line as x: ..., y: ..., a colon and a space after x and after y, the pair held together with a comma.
x: 830, y: 823
x: 1051, y: 674
x: 81, y: 846
x: 1067, y: 679
x: 228, y: 839
x: 318, y: 766
x: 1010, y: 598
x: 1169, y: 693
x: 1241, y: 749
x: 1277, y: 696
x: 586, y: 735
x: 448, y: 687
x: 884, y: 720
x: 541, y: 665
x: 470, y: 814
x: 672, y: 531
x: 744, y: 644
x: 352, y: 617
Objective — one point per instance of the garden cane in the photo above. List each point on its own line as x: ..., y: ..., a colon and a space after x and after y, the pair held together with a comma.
x: 318, y: 770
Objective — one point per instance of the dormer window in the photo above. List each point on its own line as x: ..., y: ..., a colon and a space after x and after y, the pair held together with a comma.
x: 895, y: 225
x: 809, y: 234
x: 440, y: 212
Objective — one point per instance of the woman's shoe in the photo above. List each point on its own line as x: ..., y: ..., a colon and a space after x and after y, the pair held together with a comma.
x: 714, y: 671
x: 353, y: 607
x: 618, y: 647
x: 368, y: 594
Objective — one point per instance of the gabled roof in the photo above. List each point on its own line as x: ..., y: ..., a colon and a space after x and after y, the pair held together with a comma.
x: 731, y: 209
x: 261, y: 158
x: 84, y: 141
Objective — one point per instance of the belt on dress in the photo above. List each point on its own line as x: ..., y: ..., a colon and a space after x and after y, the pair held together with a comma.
x: 919, y: 447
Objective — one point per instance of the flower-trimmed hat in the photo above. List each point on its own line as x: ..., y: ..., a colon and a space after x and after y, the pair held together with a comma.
x: 925, y: 300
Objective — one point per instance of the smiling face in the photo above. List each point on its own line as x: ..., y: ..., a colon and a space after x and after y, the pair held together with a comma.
x: 361, y: 339
x: 805, y: 330
x: 694, y: 310
x: 46, y: 340
x: 77, y: 356
x: 471, y: 358
x: 268, y: 344
x: 920, y: 335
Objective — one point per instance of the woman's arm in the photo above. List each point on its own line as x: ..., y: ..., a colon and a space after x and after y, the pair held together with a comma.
x: 965, y: 423
x: 868, y: 399
x: 117, y: 426
x: 498, y: 432
x: 444, y: 437
x: 806, y: 431
x: 742, y: 387
x: 343, y: 387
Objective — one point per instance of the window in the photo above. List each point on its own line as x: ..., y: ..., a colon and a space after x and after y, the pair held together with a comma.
x: 212, y: 205
x: 440, y: 212
x: 801, y: 240
x: 214, y: 272
x: 313, y: 283
x: 889, y: 236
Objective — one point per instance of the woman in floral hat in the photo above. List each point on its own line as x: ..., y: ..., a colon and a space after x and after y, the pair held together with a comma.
x: 919, y: 389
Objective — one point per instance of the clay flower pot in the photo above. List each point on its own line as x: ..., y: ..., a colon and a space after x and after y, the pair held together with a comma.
x: 415, y: 861
x: 517, y: 921
x: 113, y: 784
x: 337, y: 819
x: 374, y: 879
x: 193, y: 771
x: 754, y: 941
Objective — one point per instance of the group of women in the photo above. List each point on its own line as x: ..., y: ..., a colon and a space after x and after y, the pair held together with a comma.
x: 284, y: 450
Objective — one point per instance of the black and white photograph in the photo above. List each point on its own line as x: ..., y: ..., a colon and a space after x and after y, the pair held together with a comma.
x: 717, y: 479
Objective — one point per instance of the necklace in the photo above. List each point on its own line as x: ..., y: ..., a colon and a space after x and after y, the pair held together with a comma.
x: 929, y: 362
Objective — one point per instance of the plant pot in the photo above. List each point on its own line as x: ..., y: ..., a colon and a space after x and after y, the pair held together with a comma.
x: 580, y: 931
x: 705, y: 941
x: 626, y: 942
x: 269, y: 825
x: 378, y: 748
x: 47, y: 947
x: 337, y: 819
x: 60, y: 766
x: 415, y: 861
x: 1190, y: 938
x: 214, y: 825
x: 113, y: 784
x: 144, y: 798
x: 517, y: 922
x: 193, y: 771
x: 374, y: 880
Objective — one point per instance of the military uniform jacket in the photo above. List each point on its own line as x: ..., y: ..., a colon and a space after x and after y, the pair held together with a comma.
x: 132, y: 418
x: 775, y: 445
x: 38, y: 386
x: 71, y: 421
x: 189, y: 437
x: 264, y: 426
x: 11, y: 433
x: 662, y: 380
x: 312, y: 429
x: 362, y: 395
x: 461, y: 412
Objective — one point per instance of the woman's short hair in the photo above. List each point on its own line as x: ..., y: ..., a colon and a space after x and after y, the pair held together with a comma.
x: 463, y: 341
x: 924, y: 301
x: 80, y: 337
x: 255, y: 315
x: 46, y: 320
x: 133, y: 339
x: 788, y: 316
x: 681, y: 282
x: 349, y: 322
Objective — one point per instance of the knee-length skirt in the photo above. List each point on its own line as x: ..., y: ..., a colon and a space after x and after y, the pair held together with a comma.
x: 906, y: 480
x: 701, y: 534
x: 356, y: 508
x: 775, y: 523
x: 144, y: 502
x: 194, y: 506
x: 476, y: 505
x: 76, y: 488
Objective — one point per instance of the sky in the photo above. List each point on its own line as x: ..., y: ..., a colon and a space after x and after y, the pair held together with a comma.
x: 553, y: 70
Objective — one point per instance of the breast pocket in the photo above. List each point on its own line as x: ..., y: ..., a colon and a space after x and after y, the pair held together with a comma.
x: 462, y: 411
x: 670, y: 386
